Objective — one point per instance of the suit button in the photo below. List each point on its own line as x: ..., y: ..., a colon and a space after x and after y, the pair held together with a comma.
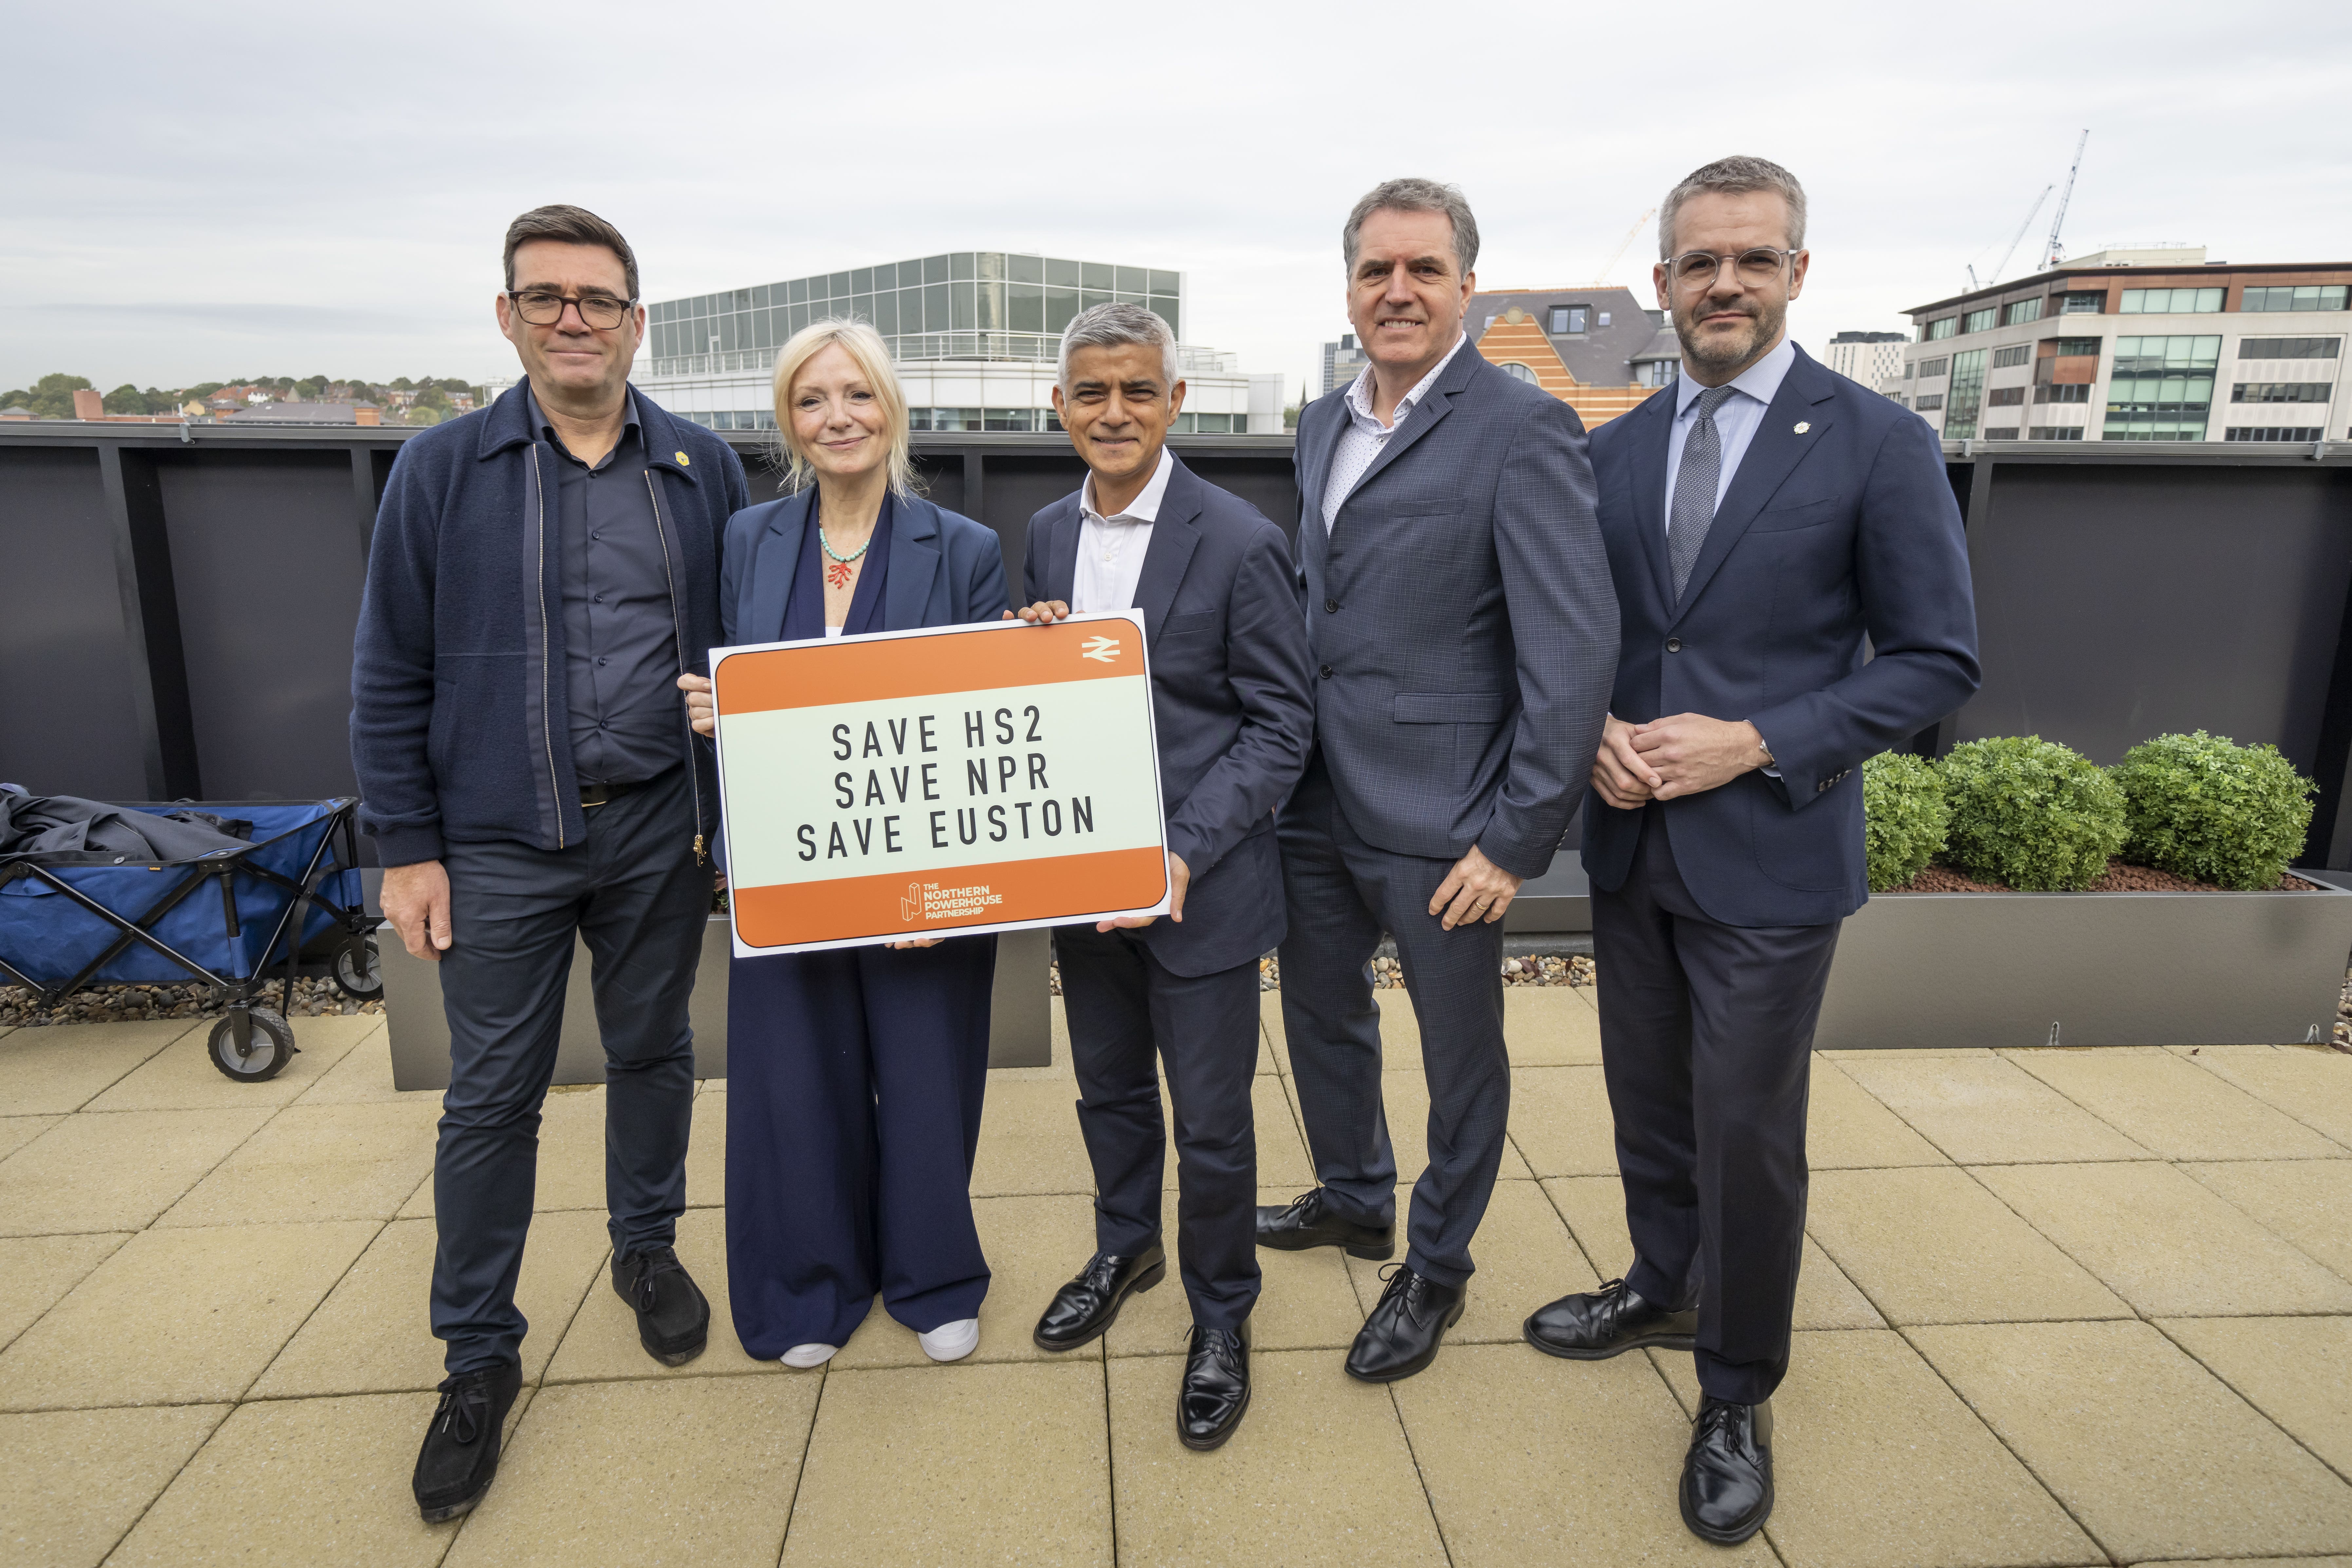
x: 1674, y: 645
x: 1330, y: 607
x: 1327, y: 672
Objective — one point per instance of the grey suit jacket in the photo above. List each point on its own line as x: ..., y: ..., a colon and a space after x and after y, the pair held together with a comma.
x: 1229, y: 703
x: 1462, y: 620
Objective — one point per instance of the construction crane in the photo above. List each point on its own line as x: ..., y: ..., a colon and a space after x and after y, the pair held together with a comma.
x: 2052, y: 253
x: 1619, y: 254
x: 2015, y: 241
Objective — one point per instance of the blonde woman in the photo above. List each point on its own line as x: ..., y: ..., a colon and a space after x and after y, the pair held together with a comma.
x: 854, y: 1076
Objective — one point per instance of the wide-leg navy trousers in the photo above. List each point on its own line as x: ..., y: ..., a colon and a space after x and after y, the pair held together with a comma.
x: 854, y: 1090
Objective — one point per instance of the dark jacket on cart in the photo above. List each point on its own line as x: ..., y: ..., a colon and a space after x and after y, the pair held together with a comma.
x: 460, y: 726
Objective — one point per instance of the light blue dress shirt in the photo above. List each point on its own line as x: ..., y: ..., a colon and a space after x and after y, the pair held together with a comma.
x: 1737, y: 419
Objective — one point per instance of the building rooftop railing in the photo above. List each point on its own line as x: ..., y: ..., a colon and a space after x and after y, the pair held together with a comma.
x: 1024, y: 348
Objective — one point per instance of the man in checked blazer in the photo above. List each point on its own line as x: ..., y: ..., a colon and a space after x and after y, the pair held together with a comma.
x: 1464, y: 635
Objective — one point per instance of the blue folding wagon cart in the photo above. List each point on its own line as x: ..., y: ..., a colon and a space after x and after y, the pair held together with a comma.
x: 289, y: 898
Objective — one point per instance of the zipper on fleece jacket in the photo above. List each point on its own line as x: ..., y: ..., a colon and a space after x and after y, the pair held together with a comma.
x: 677, y: 625
x: 547, y: 739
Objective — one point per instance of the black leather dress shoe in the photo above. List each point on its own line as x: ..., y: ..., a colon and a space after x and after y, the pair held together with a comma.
x: 1306, y: 1221
x: 1089, y: 1305
x: 1216, y: 1386
x: 1726, y: 1492
x: 460, y: 1454
x: 1593, y: 1325
x: 1401, y: 1335
x: 673, y: 1318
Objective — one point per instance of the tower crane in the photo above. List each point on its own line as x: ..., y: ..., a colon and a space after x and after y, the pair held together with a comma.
x: 2052, y: 253
x: 1619, y: 254
x: 2015, y: 241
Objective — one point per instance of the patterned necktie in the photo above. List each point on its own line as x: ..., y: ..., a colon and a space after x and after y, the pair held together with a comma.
x: 1694, y: 485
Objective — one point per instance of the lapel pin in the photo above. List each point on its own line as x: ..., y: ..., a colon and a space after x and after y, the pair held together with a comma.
x: 1803, y: 425
x: 683, y: 460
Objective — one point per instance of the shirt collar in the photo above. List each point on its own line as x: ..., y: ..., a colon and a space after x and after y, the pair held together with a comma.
x: 1360, y: 391
x: 1760, y: 381
x: 543, y: 430
x: 1144, y: 508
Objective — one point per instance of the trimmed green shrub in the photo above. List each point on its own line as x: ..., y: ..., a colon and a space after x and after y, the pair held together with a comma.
x: 1905, y: 817
x: 2204, y: 808
x: 2031, y: 814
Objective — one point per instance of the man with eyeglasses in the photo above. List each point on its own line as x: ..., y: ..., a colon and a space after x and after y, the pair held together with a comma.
x: 1763, y: 517
x: 541, y: 572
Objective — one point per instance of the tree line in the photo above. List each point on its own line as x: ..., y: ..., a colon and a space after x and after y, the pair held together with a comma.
x: 51, y: 397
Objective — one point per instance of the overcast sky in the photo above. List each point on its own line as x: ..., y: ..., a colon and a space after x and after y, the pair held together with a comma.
x: 199, y: 192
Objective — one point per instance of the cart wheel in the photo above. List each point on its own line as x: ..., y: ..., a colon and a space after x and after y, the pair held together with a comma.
x: 270, y: 1049
x: 358, y: 974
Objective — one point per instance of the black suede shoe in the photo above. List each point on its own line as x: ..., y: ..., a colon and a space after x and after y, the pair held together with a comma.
x: 673, y: 1318
x: 1216, y: 1387
x: 1594, y: 1325
x: 1401, y: 1335
x: 1306, y: 1221
x: 1089, y: 1305
x: 460, y: 1456
x: 1727, y: 1490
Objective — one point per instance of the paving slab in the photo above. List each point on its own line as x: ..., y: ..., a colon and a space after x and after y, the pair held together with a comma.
x: 602, y: 1342
x: 36, y: 1272
x: 2309, y: 1201
x: 2257, y: 1562
x: 1902, y: 1053
x: 2165, y: 1244
x: 1029, y: 1140
x: 2297, y: 1370
x: 1846, y: 1127
x: 1560, y: 1123
x: 1271, y: 1056
x: 2152, y: 1454
x: 1032, y: 1245
x: 342, y: 1494
x: 2167, y: 1103
x: 697, y: 1473
x: 1318, y: 1473
x: 116, y: 1172
x: 1404, y: 1097
x: 1007, y: 1462
x: 1932, y: 1246
x: 1983, y: 1109
x: 79, y: 1478
x: 317, y: 1162
x: 61, y: 1068
x: 571, y: 1154
x: 372, y: 1334
x: 1595, y: 1209
x: 1877, y: 1464
x: 180, y: 1076
x: 2311, y: 1083
x: 178, y: 1316
x: 1530, y: 1461
x: 15, y: 1131
x: 1551, y: 1025
x: 364, y: 1077
x: 1525, y: 1256
x: 1305, y: 1301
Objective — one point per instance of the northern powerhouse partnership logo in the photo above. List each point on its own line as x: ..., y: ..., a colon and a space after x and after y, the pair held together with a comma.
x: 930, y: 901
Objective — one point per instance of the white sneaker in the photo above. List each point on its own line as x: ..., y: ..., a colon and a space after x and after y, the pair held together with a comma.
x: 952, y: 1342
x: 809, y: 1355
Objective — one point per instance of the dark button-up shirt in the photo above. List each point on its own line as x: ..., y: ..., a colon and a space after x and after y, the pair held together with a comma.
x: 620, y: 630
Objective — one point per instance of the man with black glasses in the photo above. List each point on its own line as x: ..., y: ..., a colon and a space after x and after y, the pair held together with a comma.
x: 541, y: 574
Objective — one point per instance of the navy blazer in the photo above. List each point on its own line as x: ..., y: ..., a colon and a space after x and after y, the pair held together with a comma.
x: 1230, y: 703
x: 1460, y: 618
x: 1839, y: 525
x: 945, y: 569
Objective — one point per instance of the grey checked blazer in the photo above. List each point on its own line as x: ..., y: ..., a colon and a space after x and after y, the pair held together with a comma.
x: 1461, y: 618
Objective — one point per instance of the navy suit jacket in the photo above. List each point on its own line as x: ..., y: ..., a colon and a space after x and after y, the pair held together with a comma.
x: 945, y: 569
x: 1838, y: 524
x: 1460, y: 618
x: 1230, y: 703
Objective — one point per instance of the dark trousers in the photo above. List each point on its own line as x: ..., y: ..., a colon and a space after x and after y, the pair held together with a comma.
x: 854, y: 1088
x: 1126, y: 1007
x: 1341, y: 893
x: 634, y: 892
x: 1707, y: 1037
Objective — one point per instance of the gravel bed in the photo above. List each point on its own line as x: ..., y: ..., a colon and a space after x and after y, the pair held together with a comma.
x: 2118, y: 878
x: 131, y: 1003
x: 1530, y: 969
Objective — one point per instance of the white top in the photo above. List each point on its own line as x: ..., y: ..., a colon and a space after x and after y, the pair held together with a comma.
x: 1365, y: 437
x: 1111, y: 549
x: 1736, y: 418
x: 832, y: 631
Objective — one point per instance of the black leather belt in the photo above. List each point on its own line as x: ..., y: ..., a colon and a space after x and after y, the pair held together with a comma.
x: 599, y: 794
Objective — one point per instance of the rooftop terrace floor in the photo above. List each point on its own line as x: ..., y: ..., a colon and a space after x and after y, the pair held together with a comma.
x: 2057, y: 1307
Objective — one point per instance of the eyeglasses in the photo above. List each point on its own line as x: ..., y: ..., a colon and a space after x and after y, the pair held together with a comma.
x: 544, y: 308
x: 1754, y: 268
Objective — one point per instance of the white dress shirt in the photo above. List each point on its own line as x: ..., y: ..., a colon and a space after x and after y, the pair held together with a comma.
x: 1365, y: 437
x: 1111, y: 549
x: 1736, y: 418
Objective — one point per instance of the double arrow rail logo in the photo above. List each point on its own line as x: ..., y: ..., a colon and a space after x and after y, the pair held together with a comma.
x: 1100, y: 649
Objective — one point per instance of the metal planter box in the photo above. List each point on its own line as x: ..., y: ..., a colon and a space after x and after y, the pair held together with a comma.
x: 1947, y: 970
